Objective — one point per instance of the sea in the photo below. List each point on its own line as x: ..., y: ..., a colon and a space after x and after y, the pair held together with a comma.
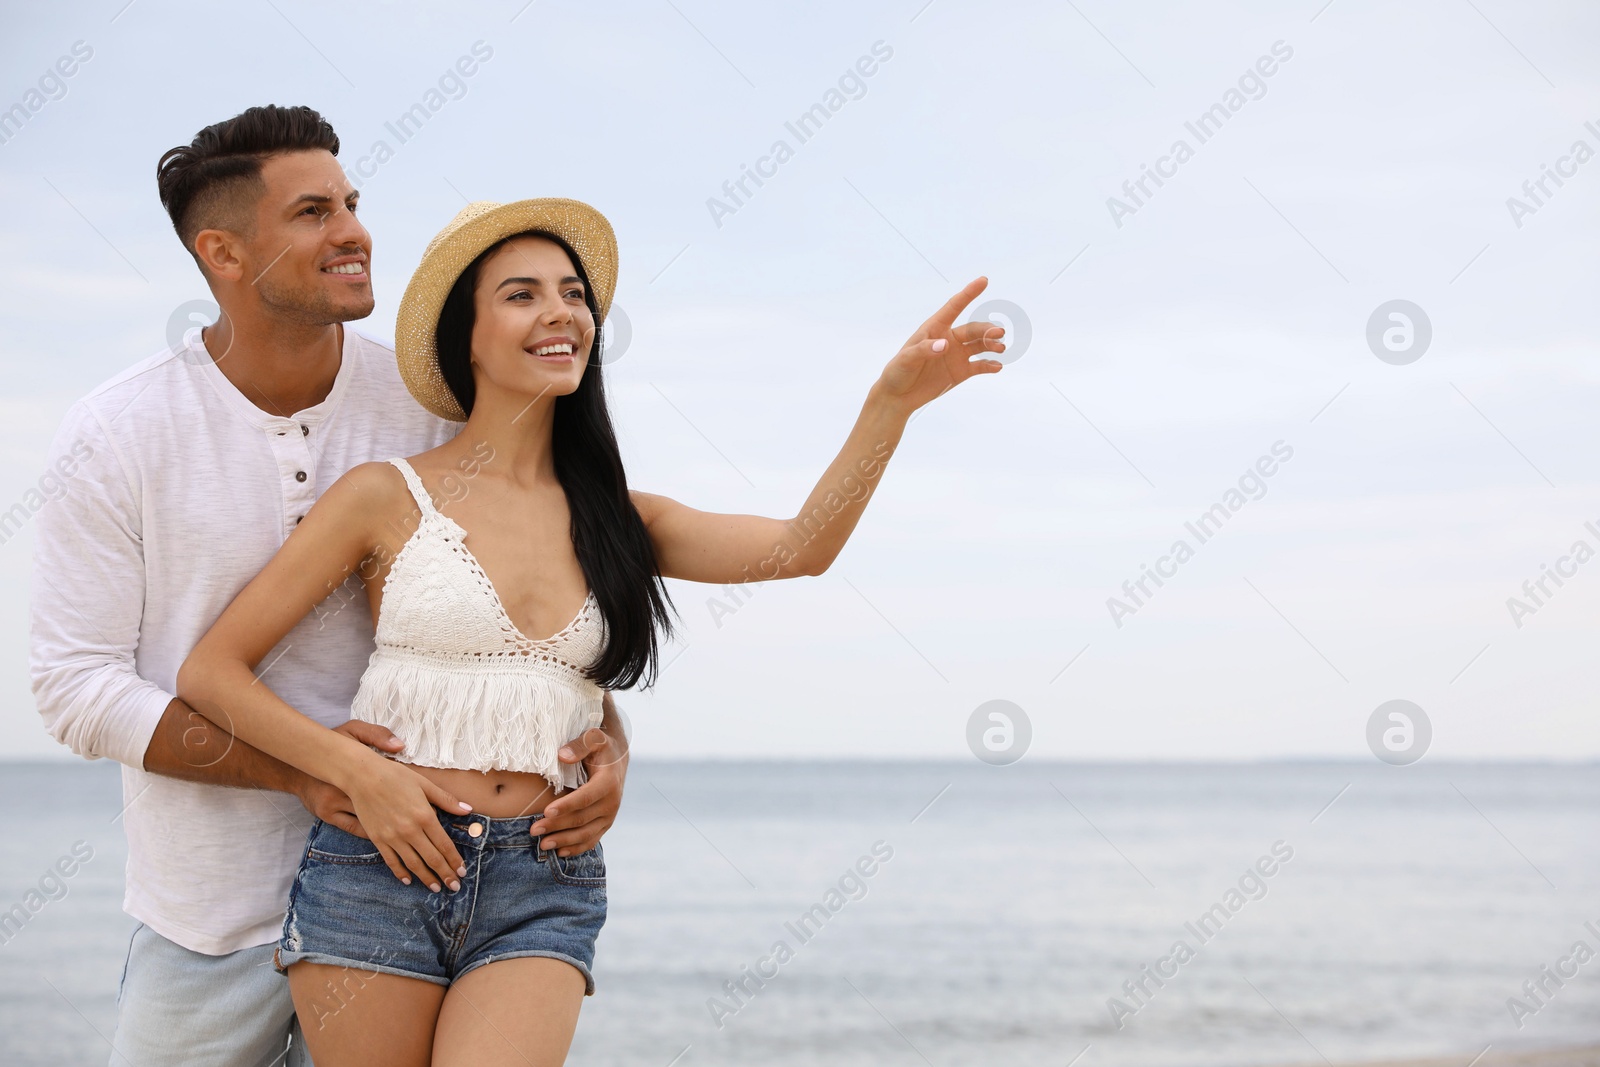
x: 957, y: 913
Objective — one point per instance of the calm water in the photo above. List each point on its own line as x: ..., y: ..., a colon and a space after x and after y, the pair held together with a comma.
x: 1010, y: 910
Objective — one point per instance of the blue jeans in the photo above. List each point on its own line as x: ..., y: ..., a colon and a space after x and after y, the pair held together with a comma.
x: 179, y: 1006
x: 348, y: 909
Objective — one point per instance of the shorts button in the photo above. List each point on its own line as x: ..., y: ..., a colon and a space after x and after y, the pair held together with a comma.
x: 475, y: 830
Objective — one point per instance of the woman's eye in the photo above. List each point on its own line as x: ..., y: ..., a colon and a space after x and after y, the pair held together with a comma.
x: 520, y: 293
x: 575, y: 294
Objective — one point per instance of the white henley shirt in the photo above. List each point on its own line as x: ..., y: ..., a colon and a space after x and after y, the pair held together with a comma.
x: 179, y: 492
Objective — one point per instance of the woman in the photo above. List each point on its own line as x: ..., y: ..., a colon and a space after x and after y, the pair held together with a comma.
x: 450, y: 936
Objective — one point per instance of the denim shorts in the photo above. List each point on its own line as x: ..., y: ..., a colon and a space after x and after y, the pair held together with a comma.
x: 517, y: 899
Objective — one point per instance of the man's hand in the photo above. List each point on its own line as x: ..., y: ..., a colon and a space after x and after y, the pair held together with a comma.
x: 574, y: 823
x: 328, y: 802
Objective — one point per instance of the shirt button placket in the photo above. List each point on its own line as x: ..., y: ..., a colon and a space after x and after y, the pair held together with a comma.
x: 293, y: 453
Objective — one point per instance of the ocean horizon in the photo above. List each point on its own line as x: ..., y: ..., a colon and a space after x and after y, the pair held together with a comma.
x: 1336, y: 910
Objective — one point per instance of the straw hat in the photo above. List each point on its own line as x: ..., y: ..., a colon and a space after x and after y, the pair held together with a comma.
x: 476, y: 227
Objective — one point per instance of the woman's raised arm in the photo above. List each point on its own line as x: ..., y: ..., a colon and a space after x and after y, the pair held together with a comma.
x: 701, y: 546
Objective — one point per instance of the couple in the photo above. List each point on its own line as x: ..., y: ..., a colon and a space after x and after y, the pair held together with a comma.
x: 286, y: 566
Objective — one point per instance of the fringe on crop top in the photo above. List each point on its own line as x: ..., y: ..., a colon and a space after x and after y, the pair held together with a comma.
x: 455, y: 679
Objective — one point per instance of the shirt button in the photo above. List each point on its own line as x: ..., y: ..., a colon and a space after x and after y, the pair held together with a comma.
x: 304, y: 429
x: 299, y: 476
x: 297, y: 519
x: 475, y: 830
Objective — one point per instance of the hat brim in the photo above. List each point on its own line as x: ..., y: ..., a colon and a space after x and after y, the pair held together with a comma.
x: 476, y: 227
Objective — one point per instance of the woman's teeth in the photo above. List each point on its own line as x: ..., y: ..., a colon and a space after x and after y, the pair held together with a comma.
x: 345, y: 268
x: 553, y: 350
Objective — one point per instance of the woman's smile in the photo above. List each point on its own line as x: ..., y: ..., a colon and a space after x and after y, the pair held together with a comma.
x: 553, y: 349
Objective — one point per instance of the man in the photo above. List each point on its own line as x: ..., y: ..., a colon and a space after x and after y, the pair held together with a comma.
x: 188, y: 472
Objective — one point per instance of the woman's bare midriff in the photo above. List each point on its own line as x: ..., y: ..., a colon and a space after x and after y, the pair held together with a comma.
x: 497, y: 794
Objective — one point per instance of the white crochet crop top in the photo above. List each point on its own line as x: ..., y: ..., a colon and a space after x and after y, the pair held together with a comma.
x: 455, y: 679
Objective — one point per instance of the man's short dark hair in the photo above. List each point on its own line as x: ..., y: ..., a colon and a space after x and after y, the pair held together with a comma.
x: 214, y: 181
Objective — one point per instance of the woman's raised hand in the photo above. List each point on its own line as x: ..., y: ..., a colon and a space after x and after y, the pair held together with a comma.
x: 938, y: 357
x: 396, y: 807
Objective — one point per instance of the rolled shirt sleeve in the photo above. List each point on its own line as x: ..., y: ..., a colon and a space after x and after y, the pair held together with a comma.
x: 88, y: 598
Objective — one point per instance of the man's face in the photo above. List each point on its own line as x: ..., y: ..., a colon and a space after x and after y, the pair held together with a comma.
x: 309, y: 257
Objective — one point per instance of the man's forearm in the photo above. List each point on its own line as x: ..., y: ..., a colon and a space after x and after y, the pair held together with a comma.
x: 187, y: 745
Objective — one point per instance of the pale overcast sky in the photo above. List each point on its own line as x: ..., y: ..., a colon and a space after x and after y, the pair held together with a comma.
x: 1174, y: 339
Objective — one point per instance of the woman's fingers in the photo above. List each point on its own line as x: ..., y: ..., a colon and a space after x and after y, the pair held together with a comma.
x: 426, y: 849
x: 442, y: 850
x: 983, y: 344
x: 967, y: 351
x: 417, y: 865
x: 435, y: 849
x: 971, y: 333
x: 442, y: 798
x: 405, y: 828
x: 945, y: 317
x: 427, y: 855
x: 392, y: 858
x: 447, y: 859
x: 959, y: 369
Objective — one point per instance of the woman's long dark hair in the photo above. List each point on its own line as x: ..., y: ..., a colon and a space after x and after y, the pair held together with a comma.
x: 610, y: 538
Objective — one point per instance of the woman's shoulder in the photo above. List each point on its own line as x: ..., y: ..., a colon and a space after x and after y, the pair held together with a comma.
x: 360, y: 509
x: 371, y: 501
x: 446, y: 471
x: 373, y: 482
x: 368, y: 491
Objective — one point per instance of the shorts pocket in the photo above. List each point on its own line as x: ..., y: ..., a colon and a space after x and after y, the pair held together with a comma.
x: 329, y: 844
x: 584, y: 869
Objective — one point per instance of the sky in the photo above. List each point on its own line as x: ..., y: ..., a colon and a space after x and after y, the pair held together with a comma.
x: 1172, y: 343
